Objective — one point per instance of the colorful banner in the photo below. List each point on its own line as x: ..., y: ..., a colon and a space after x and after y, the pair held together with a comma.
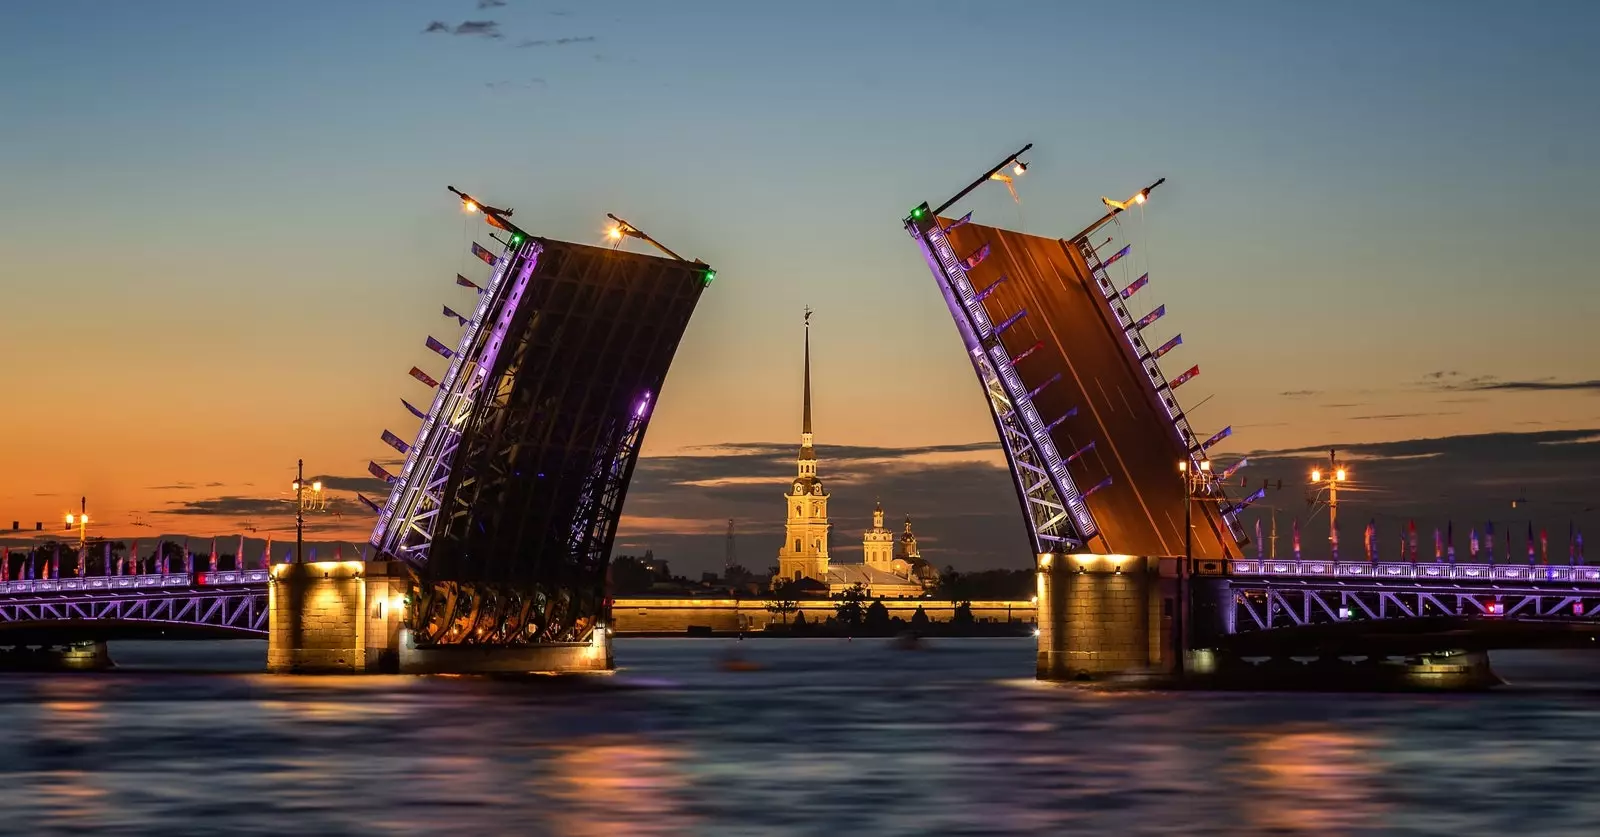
x: 1168, y: 346
x: 1105, y: 483
x: 962, y: 221
x: 1450, y: 542
x: 1080, y: 452
x: 368, y: 503
x: 423, y: 377
x: 443, y: 350
x: 467, y: 283
x: 1150, y: 318
x: 1233, y: 469
x: 1260, y: 546
x: 1297, y: 539
x: 460, y: 320
x: 1411, y: 539
x: 1221, y: 434
x: 1532, y: 555
x: 1438, y: 545
x: 1185, y: 378
x: 1137, y: 284
x: 973, y: 260
x: 495, y: 221
x: 395, y: 442
x: 413, y: 410
x: 376, y: 470
x: 1116, y: 256
x: 483, y: 255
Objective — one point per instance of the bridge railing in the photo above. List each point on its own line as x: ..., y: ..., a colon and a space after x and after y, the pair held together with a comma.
x: 134, y: 583
x: 1402, y: 571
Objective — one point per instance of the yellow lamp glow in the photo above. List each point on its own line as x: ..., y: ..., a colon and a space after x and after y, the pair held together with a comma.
x: 1205, y: 465
x: 1339, y: 474
x: 469, y: 206
x: 1139, y: 198
x: 1316, y: 475
x: 615, y: 233
x: 316, y: 486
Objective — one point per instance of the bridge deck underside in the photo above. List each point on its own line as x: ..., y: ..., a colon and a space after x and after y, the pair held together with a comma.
x: 1141, y: 512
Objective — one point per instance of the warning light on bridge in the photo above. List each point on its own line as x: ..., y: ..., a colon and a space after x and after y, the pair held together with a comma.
x: 709, y: 276
x: 918, y: 212
x: 516, y: 238
x: 469, y: 206
x: 1020, y: 168
x: 1494, y: 608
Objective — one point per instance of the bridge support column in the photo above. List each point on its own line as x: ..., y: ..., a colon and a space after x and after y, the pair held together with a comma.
x: 1094, y: 615
x: 332, y: 617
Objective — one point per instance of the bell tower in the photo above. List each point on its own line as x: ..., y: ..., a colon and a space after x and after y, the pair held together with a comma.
x: 804, y: 553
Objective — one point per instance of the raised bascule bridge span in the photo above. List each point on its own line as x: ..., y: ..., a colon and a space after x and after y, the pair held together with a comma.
x: 490, y: 552
x: 1139, y: 554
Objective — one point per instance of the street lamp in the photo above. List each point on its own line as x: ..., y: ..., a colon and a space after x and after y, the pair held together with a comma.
x: 1192, y: 481
x: 316, y: 501
x: 81, y: 520
x: 1335, y: 474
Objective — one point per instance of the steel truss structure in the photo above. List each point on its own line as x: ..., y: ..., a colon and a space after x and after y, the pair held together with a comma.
x: 1058, y: 518
x: 406, y: 525
x: 527, y: 510
x: 1281, y: 594
x: 240, y: 609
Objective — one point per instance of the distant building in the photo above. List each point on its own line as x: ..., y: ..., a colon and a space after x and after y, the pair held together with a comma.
x: 889, y: 568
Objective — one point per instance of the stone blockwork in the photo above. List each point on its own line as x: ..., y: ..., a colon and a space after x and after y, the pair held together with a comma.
x: 1097, y: 612
x: 335, y: 616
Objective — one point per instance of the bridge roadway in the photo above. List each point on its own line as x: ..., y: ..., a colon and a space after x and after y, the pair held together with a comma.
x: 1078, y: 358
x: 209, y: 604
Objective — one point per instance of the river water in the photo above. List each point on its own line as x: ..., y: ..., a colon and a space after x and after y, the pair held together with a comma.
x: 829, y: 737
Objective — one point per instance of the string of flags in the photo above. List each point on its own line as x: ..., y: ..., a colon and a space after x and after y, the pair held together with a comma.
x: 460, y: 320
x: 1480, y: 547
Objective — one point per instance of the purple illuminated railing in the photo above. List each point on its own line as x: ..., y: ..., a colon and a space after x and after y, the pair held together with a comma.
x: 1385, y: 571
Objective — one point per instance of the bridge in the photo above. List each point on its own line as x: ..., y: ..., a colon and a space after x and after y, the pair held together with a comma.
x: 492, y: 544
x: 489, y: 553
x: 1140, y: 558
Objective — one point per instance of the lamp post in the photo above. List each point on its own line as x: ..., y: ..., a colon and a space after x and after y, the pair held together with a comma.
x: 1336, y: 474
x: 1180, y: 610
x: 81, y: 520
x: 302, y: 502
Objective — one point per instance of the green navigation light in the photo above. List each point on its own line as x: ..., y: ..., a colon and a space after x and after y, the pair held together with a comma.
x: 710, y: 275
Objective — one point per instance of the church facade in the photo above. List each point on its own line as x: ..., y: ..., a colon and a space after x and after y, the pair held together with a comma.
x: 890, y: 568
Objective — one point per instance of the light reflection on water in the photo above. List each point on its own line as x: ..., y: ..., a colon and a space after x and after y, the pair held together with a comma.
x: 829, y: 737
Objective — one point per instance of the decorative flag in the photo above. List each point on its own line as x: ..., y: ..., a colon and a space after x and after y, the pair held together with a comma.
x: 443, y: 350
x: 211, y: 560
x: 1134, y: 287
x: 1372, y: 541
x: 313, y: 555
x: 1472, y: 545
x: 1116, y: 256
x: 423, y: 377
x: 1297, y: 539
x: 1185, y: 377
x: 1221, y: 434
x: 1259, y: 544
x: 972, y: 261
x: 962, y: 221
x: 484, y: 255
x: 105, y: 568
x: 338, y: 552
x: 467, y: 283
x: 496, y: 221
x: 266, y: 555
x: 1150, y: 318
x: 1488, y: 540
x: 1232, y: 469
x: 238, y: 557
x: 1168, y: 346
x: 377, y: 470
x: 1572, y: 547
x: 1450, y: 542
x: 133, y: 559
x: 1544, y: 545
x: 55, y: 562
x: 1411, y: 540
x: 1105, y: 483
x: 5, y: 563
x: 1532, y: 556
x: 414, y: 411
x: 369, y: 504
x: 1438, y: 545
x: 1580, y: 546
x: 460, y: 320
x: 395, y: 442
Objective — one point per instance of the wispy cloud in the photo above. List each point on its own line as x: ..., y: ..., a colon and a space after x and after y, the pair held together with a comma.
x: 490, y: 4
x: 1299, y: 393
x: 583, y: 39
x: 1545, y: 385
x: 478, y: 28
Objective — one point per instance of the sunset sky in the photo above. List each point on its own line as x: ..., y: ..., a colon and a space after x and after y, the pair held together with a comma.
x: 224, y: 237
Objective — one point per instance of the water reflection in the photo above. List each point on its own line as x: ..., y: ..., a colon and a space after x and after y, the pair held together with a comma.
x: 823, y: 738
x: 1312, y: 781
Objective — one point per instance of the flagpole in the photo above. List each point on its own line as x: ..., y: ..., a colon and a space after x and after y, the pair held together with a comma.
x: 299, y: 510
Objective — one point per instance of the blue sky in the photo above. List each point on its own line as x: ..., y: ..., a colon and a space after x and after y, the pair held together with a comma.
x: 228, y: 219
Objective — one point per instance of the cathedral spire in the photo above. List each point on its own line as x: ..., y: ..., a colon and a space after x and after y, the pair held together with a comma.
x: 805, y: 427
